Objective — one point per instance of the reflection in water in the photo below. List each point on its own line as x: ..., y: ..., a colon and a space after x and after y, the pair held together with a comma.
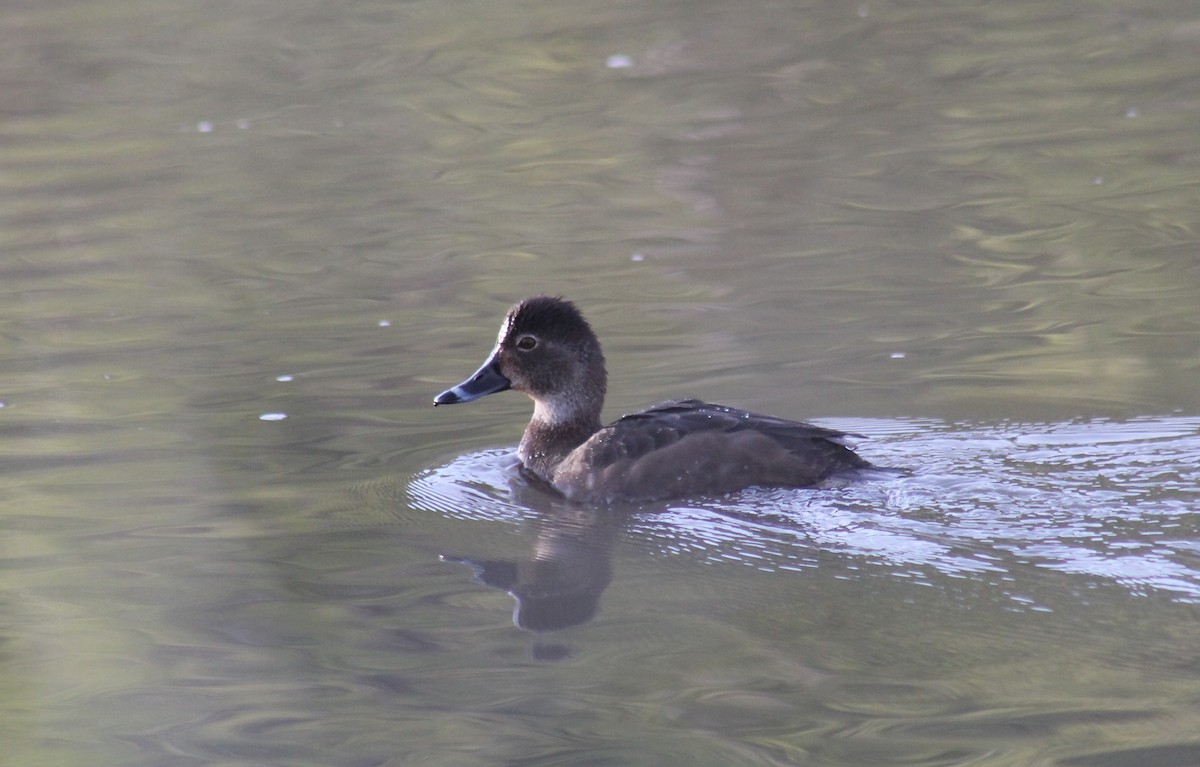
x: 559, y: 584
x: 1111, y: 502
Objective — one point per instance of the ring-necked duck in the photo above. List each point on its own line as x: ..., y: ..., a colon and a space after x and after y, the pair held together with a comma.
x: 547, y: 350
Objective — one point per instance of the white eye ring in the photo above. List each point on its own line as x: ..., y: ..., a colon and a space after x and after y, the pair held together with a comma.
x: 527, y: 343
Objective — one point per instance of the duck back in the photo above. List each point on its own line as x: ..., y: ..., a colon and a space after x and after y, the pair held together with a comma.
x: 690, y: 447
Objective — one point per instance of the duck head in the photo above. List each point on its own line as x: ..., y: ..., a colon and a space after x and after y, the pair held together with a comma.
x: 547, y: 350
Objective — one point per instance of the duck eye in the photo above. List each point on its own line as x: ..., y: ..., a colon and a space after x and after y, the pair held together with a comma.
x: 526, y: 343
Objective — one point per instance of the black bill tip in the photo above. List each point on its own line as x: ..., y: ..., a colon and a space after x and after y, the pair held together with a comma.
x: 448, y: 397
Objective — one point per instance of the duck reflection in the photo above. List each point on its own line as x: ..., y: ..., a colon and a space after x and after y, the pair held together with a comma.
x: 559, y: 584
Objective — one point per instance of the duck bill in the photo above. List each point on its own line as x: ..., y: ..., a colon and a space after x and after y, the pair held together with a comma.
x: 487, y: 380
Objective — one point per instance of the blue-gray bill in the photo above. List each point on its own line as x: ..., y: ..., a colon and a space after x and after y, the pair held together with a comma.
x: 486, y: 380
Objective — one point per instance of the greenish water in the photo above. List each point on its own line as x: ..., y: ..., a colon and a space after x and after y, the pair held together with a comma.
x: 244, y: 244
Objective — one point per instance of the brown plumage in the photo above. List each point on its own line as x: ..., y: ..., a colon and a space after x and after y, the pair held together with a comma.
x: 547, y: 350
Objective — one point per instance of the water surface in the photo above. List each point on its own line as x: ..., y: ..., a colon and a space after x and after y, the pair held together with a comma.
x: 244, y: 244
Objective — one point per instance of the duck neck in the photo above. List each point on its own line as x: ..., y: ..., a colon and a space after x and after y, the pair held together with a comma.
x: 548, y: 441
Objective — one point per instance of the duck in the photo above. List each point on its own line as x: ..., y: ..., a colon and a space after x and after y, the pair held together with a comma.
x: 677, y: 449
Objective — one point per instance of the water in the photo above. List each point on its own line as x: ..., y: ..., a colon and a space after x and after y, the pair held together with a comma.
x: 244, y: 245
x: 1002, y: 508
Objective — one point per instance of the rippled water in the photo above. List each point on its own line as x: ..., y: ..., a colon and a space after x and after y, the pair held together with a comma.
x: 972, y: 608
x: 244, y: 244
x: 1113, y: 502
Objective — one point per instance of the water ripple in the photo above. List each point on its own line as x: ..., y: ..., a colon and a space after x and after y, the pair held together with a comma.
x: 1109, y: 501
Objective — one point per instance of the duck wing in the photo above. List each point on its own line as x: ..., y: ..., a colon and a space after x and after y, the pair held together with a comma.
x: 693, y: 416
x: 690, y: 447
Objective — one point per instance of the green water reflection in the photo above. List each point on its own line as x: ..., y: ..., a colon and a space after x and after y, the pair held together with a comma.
x: 966, y: 223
